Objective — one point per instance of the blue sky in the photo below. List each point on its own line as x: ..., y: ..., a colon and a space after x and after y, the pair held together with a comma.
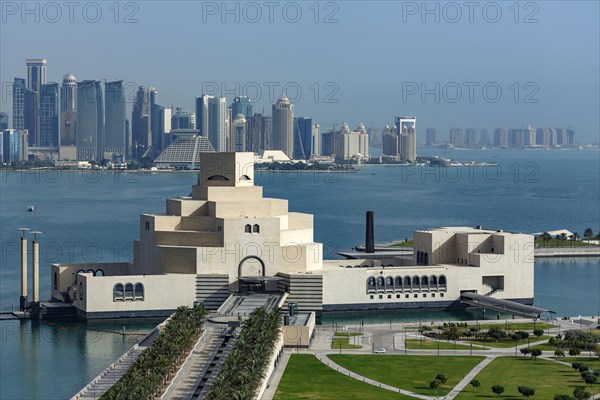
x: 360, y: 62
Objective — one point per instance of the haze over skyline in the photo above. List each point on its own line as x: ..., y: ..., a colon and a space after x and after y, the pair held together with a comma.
x: 361, y: 62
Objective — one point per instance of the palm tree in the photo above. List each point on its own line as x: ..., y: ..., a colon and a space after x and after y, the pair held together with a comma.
x: 563, y: 237
x: 588, y: 234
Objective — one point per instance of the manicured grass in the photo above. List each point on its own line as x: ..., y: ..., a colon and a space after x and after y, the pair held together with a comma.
x: 505, y: 344
x: 517, y: 326
x: 433, y: 345
x: 305, y: 377
x: 546, y: 377
x: 412, y: 373
x: 565, y: 243
x: 344, y: 343
x: 348, y: 334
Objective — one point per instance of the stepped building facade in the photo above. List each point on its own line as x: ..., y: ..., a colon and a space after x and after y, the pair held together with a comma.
x: 226, y: 238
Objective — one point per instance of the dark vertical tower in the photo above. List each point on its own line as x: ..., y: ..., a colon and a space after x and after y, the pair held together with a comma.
x: 370, y: 233
x: 49, y: 115
x: 18, y: 121
x: 141, y: 134
x: 90, y: 121
x: 114, y: 125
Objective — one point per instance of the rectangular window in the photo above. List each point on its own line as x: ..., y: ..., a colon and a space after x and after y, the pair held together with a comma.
x: 147, y: 225
x: 397, y: 296
x: 432, y: 294
x: 389, y: 296
x: 416, y: 295
x: 381, y: 296
x: 441, y: 294
x: 371, y: 296
x: 406, y: 296
x: 424, y: 295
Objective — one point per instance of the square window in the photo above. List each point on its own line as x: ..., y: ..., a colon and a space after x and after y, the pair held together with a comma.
x: 416, y: 295
x: 371, y: 296
x: 441, y: 294
x: 432, y: 294
x: 406, y: 296
x: 397, y: 296
x: 424, y: 295
x: 389, y: 296
x: 381, y: 296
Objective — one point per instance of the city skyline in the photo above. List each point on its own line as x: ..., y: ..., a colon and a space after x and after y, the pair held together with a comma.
x: 331, y: 93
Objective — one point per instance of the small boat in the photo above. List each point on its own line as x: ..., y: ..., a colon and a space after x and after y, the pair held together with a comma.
x: 30, y: 209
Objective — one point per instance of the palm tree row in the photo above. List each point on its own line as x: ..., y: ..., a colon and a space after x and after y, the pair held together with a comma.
x: 156, y: 365
x: 244, y: 369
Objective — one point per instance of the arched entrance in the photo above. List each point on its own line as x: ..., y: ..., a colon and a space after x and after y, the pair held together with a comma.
x: 251, y: 275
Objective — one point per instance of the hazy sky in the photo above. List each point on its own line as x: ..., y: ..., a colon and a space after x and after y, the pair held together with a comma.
x: 462, y: 64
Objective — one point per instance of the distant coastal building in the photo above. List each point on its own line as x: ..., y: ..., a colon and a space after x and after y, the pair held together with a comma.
x: 407, y: 130
x: 303, y: 138
x: 457, y: 138
x: 430, y: 137
x: 141, y: 133
x: 484, y: 138
x: 217, y: 123
x: 183, y: 153
x: 14, y: 145
x: 226, y: 239
x: 68, y: 118
x: 238, y: 133
x: 114, y: 128
x: 352, y: 145
x: 90, y: 121
x: 18, y: 100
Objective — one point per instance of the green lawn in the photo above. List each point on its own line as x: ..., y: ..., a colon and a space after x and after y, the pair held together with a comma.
x: 348, y: 334
x: 409, y: 372
x: 344, y: 342
x: 565, y: 243
x: 305, y: 377
x: 433, y: 345
x: 517, y: 326
x: 546, y: 377
x: 593, y: 362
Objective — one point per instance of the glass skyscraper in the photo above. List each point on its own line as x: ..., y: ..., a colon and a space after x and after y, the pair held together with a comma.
x: 49, y: 115
x: 90, y: 121
x: 114, y: 121
x: 19, y: 104
x: 302, y: 138
x: 241, y: 105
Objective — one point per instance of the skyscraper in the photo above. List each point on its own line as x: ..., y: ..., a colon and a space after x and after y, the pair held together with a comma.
x: 316, y: 141
x: 36, y: 77
x: 456, y: 137
x: 202, y: 114
x: 391, y: 142
x: 3, y: 121
x: 259, y: 133
x: 239, y: 132
x: 114, y: 125
x: 19, y: 88
x: 283, y: 126
x: 49, y: 115
x: 141, y: 135
x: 471, y: 138
x: 352, y: 145
x: 241, y: 105
x: 484, y: 138
x: 68, y: 110
x: 407, y: 132
x: 36, y: 73
x: 217, y: 123
x: 13, y: 144
x: 90, y: 121
x: 302, y: 138
x: 430, y: 138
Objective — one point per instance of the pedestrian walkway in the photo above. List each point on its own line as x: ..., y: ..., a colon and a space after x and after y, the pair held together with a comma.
x: 110, y: 376
x: 276, y: 376
x: 468, y: 378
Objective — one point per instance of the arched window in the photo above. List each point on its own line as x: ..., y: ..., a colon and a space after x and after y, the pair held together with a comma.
x: 218, y: 178
x: 248, y: 228
x: 380, y: 283
x: 128, y: 291
x: 389, y: 283
x: 139, y: 291
x: 425, y: 282
x: 442, y: 282
x: 433, y: 282
x: 416, y: 282
x: 118, y: 293
x: 80, y: 290
x: 256, y: 228
x: 55, y: 281
x: 99, y: 272
x: 398, y: 283
x: 426, y: 259
x: 407, y: 283
x: 371, y: 286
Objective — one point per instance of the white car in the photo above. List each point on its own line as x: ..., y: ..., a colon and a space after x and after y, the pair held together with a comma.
x: 380, y: 351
